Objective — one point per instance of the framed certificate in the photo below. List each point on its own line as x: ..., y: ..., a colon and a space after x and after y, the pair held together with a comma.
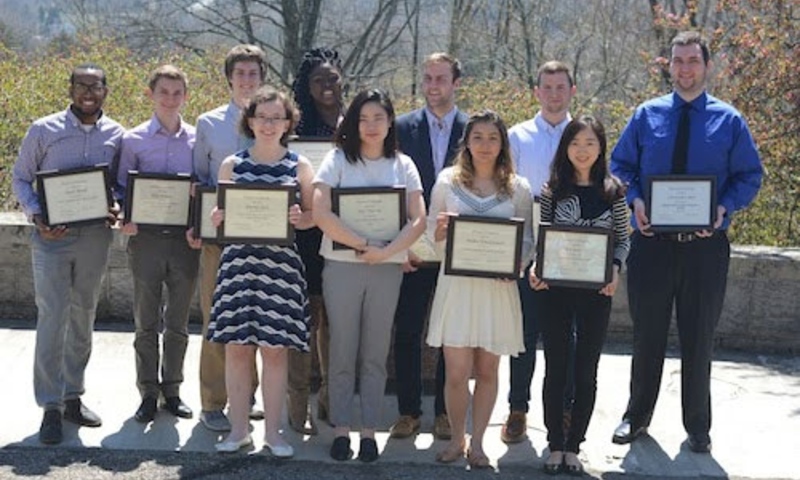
x: 256, y: 213
x: 375, y: 213
x: 204, y: 201
x: 313, y: 148
x: 572, y: 256
x: 74, y: 197
x: 484, y: 247
x: 157, y: 200
x: 425, y: 250
x: 681, y: 203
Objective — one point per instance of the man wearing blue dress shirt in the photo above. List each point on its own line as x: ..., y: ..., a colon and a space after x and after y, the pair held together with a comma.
x: 160, y: 257
x: 68, y: 263
x: 687, y: 269
x: 218, y: 137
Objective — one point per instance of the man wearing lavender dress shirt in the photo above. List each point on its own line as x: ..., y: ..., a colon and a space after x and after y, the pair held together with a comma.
x: 164, y: 257
x: 68, y: 263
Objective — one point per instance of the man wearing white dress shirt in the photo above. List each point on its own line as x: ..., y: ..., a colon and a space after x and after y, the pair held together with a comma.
x: 533, y: 144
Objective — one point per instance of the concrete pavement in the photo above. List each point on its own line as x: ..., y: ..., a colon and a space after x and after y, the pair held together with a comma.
x: 756, y: 406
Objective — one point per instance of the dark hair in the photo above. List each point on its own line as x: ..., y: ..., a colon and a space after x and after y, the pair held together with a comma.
x: 464, y: 169
x: 245, y: 53
x: 553, y: 67
x: 691, y: 37
x: 562, y: 172
x: 87, y: 66
x: 310, y: 120
x: 347, y: 137
x: 267, y: 95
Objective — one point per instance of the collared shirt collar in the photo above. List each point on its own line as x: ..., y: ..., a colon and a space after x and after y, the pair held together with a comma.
x: 76, y: 122
x: 446, y: 121
x: 156, y: 127
x: 545, y: 126
x: 678, y: 101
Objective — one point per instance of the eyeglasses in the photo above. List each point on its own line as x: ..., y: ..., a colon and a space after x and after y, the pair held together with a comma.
x: 269, y: 120
x: 82, y: 88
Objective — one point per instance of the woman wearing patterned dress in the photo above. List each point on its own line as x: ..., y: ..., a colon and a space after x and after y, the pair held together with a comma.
x: 361, y: 285
x: 260, y: 302
x: 581, y: 191
x: 476, y: 320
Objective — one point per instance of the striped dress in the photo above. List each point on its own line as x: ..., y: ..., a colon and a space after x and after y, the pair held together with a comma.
x: 260, y: 298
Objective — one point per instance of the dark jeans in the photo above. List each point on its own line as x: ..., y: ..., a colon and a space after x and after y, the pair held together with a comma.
x: 523, y: 365
x: 416, y: 293
x: 580, y: 316
x: 692, y: 276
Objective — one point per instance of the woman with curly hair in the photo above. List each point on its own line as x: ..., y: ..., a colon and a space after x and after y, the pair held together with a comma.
x: 317, y: 91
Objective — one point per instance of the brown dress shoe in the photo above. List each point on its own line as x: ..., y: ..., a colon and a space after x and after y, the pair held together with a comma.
x: 404, y: 427
x: 441, y: 427
x: 515, y: 429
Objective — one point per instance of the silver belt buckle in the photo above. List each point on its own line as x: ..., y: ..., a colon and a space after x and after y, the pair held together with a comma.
x: 684, y: 237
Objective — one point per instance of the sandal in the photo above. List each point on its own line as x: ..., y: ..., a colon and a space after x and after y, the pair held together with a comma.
x: 477, y: 460
x: 450, y: 455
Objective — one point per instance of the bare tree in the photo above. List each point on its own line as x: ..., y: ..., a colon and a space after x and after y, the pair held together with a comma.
x: 284, y: 28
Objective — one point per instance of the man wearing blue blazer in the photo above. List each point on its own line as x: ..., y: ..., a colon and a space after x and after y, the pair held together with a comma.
x: 431, y: 137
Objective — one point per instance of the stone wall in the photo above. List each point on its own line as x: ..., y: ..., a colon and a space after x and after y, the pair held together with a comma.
x: 762, y: 307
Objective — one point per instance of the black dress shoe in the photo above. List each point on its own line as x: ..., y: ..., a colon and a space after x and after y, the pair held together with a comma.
x: 699, y: 443
x: 50, y: 432
x: 340, y: 450
x: 76, y: 412
x: 626, y: 432
x: 175, y: 406
x: 147, y: 410
x: 368, y: 450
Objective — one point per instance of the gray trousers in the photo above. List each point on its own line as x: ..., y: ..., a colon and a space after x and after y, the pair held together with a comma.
x: 159, y: 260
x: 360, y: 300
x: 67, y: 274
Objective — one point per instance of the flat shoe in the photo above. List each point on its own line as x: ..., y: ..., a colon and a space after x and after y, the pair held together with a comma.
x: 340, y: 450
x: 229, y: 446
x: 279, y: 451
x: 573, y: 469
x: 553, y: 468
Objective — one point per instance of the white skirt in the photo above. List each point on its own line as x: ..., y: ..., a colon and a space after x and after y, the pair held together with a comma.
x: 478, y: 313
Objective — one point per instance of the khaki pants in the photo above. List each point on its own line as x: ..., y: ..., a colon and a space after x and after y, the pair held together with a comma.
x: 213, y: 395
x: 300, y: 365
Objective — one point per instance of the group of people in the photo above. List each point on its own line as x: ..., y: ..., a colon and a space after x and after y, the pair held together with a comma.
x: 350, y: 297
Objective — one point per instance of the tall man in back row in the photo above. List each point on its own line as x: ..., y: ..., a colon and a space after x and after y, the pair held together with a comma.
x: 533, y: 145
x: 688, y: 269
x: 218, y: 137
x: 430, y: 136
x: 68, y: 263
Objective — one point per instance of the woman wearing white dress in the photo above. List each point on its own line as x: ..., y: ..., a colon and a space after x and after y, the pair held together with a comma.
x: 476, y: 320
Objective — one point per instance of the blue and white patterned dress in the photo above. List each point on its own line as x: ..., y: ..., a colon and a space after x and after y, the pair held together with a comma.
x: 260, y: 297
